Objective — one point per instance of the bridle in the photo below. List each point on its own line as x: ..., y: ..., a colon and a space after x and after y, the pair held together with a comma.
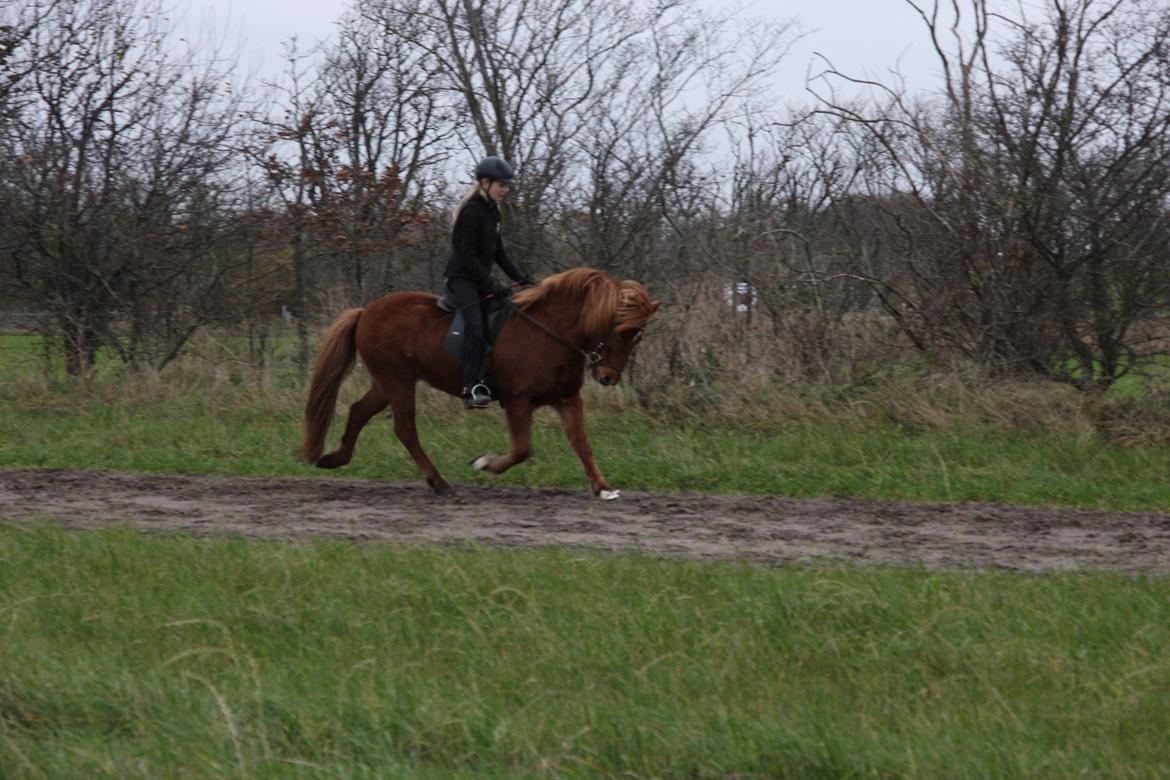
x: 593, y: 358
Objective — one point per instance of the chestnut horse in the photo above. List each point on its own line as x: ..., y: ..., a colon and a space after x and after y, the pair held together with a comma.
x: 574, y: 320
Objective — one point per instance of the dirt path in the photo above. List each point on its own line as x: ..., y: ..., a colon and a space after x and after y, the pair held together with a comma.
x: 691, y: 525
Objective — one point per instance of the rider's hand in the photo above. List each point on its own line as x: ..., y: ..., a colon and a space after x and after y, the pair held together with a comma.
x: 527, y: 281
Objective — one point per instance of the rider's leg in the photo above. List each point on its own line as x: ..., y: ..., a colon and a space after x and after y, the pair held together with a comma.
x: 467, y: 298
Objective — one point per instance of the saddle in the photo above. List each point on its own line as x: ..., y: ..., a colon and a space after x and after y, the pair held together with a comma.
x: 497, y: 313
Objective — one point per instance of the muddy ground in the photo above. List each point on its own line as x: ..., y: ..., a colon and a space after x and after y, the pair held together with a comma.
x: 689, y: 525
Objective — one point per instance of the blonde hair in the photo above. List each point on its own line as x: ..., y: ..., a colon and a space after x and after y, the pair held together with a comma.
x: 476, y: 189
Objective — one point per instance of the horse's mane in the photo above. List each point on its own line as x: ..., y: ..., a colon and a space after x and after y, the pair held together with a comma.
x: 605, y: 302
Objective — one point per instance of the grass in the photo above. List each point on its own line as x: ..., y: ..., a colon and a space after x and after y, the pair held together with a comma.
x: 898, y: 437
x: 244, y: 433
x: 123, y: 655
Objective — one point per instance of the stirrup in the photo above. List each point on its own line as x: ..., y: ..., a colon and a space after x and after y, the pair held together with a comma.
x: 479, y: 397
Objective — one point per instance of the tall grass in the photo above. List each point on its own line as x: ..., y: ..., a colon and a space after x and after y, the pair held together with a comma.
x: 136, y: 656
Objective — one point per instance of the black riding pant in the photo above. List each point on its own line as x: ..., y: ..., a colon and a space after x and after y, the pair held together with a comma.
x: 468, y: 299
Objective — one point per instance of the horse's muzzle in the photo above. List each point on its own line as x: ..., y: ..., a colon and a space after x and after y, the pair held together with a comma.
x: 607, y: 377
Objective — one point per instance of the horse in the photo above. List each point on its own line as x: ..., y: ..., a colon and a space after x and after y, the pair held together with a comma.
x: 577, y: 320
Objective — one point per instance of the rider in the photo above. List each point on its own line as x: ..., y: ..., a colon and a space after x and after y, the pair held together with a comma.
x: 476, y: 243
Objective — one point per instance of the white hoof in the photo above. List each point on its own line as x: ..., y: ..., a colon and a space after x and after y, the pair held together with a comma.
x: 609, y: 495
x: 480, y: 463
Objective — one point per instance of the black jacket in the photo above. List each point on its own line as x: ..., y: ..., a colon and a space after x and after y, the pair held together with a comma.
x: 476, y: 243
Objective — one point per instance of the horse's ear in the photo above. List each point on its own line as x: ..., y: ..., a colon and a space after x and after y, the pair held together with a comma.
x: 655, y: 306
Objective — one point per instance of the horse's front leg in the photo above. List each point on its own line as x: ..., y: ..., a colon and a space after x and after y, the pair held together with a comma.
x: 520, y: 424
x: 572, y: 411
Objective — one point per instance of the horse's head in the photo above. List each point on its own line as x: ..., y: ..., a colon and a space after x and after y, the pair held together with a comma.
x: 611, y: 316
x: 630, y: 316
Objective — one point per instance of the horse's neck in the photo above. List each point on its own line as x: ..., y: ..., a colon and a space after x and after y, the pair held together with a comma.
x: 563, y: 314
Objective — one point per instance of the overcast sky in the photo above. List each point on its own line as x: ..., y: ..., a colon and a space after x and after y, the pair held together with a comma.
x: 863, y: 37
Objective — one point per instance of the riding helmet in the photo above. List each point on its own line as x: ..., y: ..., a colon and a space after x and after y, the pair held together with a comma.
x: 494, y: 168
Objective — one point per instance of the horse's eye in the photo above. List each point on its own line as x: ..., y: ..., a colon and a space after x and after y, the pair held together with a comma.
x: 631, y: 336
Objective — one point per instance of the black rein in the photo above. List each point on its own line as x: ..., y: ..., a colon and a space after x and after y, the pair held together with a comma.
x: 593, y: 359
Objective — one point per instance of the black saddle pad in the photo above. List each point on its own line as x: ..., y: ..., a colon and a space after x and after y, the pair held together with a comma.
x: 497, y: 313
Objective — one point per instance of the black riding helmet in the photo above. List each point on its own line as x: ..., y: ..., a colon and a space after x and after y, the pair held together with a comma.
x: 494, y: 168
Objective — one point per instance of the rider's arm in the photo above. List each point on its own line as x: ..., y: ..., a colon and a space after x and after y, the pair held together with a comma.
x: 506, y: 263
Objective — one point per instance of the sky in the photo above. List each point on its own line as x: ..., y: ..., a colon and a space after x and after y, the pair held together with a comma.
x: 861, y: 37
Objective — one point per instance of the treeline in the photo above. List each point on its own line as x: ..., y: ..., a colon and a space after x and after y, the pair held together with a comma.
x: 1015, y: 216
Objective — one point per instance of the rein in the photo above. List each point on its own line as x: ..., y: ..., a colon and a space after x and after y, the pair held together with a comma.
x: 593, y: 359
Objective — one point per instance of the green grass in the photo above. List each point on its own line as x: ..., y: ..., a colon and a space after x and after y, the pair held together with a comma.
x: 1019, y: 444
x: 123, y: 655
x: 258, y: 436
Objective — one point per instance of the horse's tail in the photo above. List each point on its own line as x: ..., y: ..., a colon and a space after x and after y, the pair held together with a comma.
x: 334, y: 362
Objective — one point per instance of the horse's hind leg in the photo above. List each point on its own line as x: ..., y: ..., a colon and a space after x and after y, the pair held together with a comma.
x: 360, y: 413
x: 402, y: 404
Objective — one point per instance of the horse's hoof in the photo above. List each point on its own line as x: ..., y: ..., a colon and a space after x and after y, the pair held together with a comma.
x: 441, y: 488
x: 609, y: 495
x: 330, y: 461
x: 480, y: 462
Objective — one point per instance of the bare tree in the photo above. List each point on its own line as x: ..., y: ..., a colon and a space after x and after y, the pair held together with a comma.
x: 22, y: 52
x: 789, y: 235
x: 602, y: 103
x: 348, y: 148
x: 1034, y: 233
x: 382, y: 131
x: 281, y: 146
x: 121, y: 184
x: 650, y: 129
